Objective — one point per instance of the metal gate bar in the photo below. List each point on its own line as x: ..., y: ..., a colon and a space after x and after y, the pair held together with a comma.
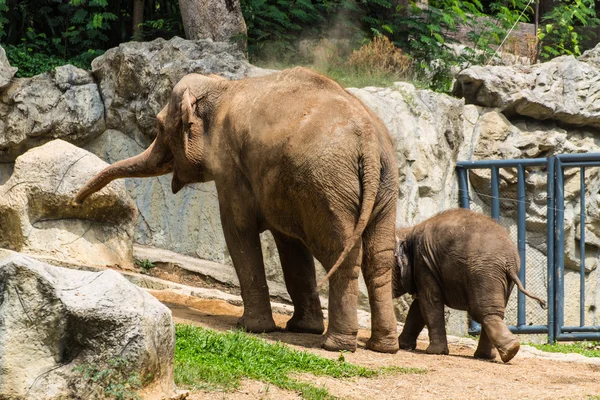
x: 562, y: 332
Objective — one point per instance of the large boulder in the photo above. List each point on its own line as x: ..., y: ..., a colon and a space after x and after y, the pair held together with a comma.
x: 60, y: 324
x: 136, y: 78
x: 564, y: 89
x: 62, y: 104
x: 6, y: 71
x: 37, y: 217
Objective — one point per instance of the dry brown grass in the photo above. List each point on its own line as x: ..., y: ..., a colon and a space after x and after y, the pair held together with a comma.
x: 522, y: 46
x: 380, y: 57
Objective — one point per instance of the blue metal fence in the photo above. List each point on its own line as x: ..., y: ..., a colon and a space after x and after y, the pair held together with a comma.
x: 555, y: 239
x: 560, y: 331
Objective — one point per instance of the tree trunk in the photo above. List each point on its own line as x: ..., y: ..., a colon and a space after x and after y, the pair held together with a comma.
x: 138, y: 18
x: 219, y: 20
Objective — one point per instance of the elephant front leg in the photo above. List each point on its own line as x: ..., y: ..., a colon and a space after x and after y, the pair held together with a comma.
x: 343, y: 303
x: 299, y: 274
x: 412, y: 328
x: 485, y: 347
x: 432, y: 308
x: 243, y: 242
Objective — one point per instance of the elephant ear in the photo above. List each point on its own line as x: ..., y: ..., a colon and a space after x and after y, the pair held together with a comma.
x: 193, y: 128
x: 405, y: 264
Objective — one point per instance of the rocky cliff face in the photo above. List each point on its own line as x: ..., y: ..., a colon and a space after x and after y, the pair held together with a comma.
x: 497, y: 112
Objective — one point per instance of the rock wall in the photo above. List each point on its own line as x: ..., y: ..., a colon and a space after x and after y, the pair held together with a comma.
x: 498, y: 112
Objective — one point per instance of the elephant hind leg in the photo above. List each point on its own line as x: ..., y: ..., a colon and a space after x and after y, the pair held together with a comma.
x: 412, y: 328
x: 485, y: 347
x: 299, y: 274
x: 378, y: 261
x: 343, y: 303
x: 502, y: 338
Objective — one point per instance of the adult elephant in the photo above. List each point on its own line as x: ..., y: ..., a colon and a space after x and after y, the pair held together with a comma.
x: 293, y: 153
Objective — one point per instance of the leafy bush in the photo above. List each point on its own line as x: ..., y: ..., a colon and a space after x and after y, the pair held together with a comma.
x: 560, y: 35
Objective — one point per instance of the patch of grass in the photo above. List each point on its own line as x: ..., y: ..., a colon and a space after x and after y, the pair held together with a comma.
x: 205, y: 359
x: 588, y: 349
x: 145, y: 265
x: 114, y: 379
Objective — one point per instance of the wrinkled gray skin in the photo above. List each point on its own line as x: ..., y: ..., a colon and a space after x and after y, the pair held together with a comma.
x: 293, y: 153
x: 466, y: 261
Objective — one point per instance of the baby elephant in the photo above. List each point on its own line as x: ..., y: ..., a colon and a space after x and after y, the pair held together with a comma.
x: 466, y: 261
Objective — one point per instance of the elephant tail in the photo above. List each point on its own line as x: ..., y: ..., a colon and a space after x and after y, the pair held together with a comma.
x: 515, y: 278
x: 371, y: 174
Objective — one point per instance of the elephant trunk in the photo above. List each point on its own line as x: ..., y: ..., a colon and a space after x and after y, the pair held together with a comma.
x: 154, y: 161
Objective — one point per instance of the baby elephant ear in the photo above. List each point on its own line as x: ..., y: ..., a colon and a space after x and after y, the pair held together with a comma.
x: 187, y: 110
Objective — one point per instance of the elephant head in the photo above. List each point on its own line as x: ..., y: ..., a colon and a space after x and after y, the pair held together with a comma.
x: 182, y: 145
x: 403, y: 277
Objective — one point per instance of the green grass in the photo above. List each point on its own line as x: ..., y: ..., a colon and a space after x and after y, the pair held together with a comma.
x: 205, y: 359
x: 588, y: 349
x: 345, y: 76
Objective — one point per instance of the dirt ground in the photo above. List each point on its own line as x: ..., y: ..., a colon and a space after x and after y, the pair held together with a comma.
x: 457, y: 376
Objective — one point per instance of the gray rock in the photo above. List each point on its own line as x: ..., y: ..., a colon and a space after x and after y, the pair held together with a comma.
x: 58, y: 322
x: 136, y: 78
x: 37, y: 217
x: 564, y: 89
x: 6, y: 71
x: 64, y: 104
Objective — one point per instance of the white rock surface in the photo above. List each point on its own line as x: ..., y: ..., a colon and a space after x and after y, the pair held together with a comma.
x: 37, y: 217
x: 55, y: 320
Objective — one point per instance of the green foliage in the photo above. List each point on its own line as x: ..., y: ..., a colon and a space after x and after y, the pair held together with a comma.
x: 210, y: 360
x: 274, y: 26
x: 43, y: 34
x: 560, y: 36
x: 3, y: 19
x: 146, y: 265
x: 114, y: 378
x: 588, y: 349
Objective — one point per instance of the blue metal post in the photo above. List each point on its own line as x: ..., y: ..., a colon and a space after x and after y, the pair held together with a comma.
x: 495, y: 194
x: 550, y: 250
x: 559, y: 255
x: 582, y: 248
x: 521, y: 241
x: 463, y: 188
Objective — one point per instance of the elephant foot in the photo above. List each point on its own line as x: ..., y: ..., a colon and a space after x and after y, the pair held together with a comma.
x: 383, y: 345
x: 257, y: 325
x: 507, y: 353
x: 340, y: 342
x: 438, y: 348
x: 485, y: 354
x: 305, y: 325
x: 407, y: 344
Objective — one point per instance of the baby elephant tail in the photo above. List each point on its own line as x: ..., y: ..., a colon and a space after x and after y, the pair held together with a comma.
x: 515, y: 278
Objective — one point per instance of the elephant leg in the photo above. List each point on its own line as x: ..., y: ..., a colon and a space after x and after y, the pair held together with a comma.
x: 243, y: 242
x: 377, y: 265
x: 412, y: 328
x: 343, y: 303
x: 299, y: 274
x: 501, y: 337
x: 432, y: 309
x: 485, y: 347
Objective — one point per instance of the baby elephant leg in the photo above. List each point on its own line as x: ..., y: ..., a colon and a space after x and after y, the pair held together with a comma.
x: 485, y: 347
x: 431, y: 302
x: 412, y: 327
x: 497, y: 331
